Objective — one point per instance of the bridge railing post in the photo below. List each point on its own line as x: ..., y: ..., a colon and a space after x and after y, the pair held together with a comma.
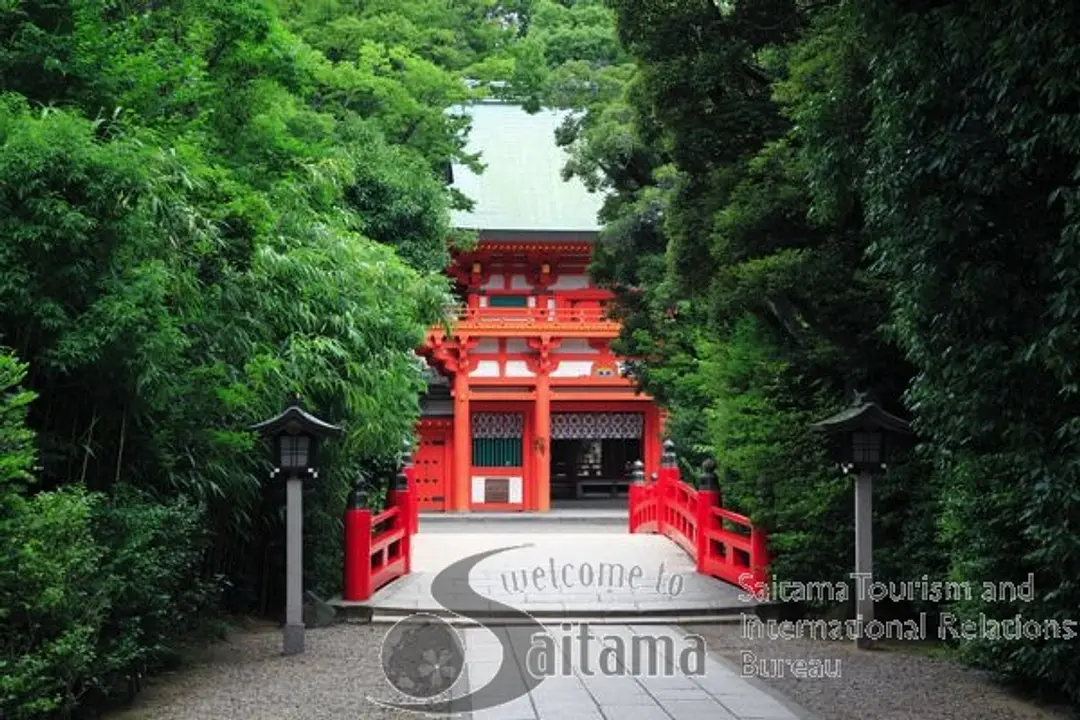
x: 669, y: 464
x: 665, y: 486
x: 403, y: 500
x: 638, y: 495
x: 759, y: 555
x: 409, y: 469
x: 357, y: 539
x: 708, y: 498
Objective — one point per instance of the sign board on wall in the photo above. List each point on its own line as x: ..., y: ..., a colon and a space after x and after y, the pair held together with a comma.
x: 497, y: 490
x: 503, y: 490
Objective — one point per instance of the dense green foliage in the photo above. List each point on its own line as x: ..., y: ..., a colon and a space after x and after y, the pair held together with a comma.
x: 206, y: 205
x: 813, y: 199
x: 203, y: 207
x: 93, y: 588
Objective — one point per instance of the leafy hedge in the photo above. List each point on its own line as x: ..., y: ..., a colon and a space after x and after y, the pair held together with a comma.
x: 95, y: 590
x: 810, y: 199
x: 205, y: 206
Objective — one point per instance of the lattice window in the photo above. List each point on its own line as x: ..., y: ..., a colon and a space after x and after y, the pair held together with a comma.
x: 498, y: 425
x: 597, y: 426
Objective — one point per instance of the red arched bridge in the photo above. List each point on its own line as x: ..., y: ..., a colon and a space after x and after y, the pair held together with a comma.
x: 666, y: 519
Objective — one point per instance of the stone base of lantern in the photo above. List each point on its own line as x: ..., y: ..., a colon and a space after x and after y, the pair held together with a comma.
x: 293, y: 638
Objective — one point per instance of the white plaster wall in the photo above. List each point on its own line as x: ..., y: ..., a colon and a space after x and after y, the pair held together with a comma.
x: 576, y: 346
x: 573, y: 368
x: 486, y: 368
x: 518, y: 368
x: 515, y: 490
x: 496, y: 282
x: 519, y: 282
x: 517, y: 345
x: 571, y: 282
x: 487, y: 345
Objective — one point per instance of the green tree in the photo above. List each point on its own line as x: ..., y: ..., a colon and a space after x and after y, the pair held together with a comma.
x: 972, y: 197
x: 205, y: 207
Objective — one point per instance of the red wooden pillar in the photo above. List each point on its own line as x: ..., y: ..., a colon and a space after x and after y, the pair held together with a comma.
x: 459, y: 481
x: 542, y: 364
x: 542, y: 434
x: 357, y: 581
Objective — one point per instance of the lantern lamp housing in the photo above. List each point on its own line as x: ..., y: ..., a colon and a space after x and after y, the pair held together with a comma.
x: 296, y: 434
x: 864, y: 435
x: 295, y: 451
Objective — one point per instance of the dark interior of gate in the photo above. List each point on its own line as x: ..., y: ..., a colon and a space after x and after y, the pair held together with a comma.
x: 590, y: 453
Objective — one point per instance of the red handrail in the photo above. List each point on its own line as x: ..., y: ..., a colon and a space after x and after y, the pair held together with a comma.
x: 378, y: 548
x: 694, y: 520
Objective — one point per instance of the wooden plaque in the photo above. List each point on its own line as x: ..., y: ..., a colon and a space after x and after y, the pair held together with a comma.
x: 496, y: 490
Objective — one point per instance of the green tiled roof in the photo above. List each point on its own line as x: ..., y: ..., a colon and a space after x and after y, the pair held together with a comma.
x: 521, y: 187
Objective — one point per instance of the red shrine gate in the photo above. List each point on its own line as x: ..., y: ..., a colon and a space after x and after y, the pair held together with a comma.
x: 526, y: 396
x: 527, y: 401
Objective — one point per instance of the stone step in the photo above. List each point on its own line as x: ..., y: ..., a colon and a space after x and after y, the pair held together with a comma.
x: 575, y: 517
x: 362, y: 612
x: 457, y: 621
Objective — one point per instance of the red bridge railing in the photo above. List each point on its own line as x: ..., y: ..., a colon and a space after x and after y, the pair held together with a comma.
x: 723, y: 544
x: 378, y: 548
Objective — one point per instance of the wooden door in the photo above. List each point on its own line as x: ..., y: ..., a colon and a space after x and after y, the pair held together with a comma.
x: 432, y: 463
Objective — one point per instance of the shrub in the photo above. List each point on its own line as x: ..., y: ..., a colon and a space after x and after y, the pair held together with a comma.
x: 93, y: 588
x: 53, y: 603
x: 153, y: 557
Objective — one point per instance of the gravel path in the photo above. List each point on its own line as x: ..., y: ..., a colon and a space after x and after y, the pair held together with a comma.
x: 247, y: 678
x: 886, y: 684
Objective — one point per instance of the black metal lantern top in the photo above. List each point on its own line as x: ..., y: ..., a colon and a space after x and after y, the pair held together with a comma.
x: 296, y: 434
x: 864, y: 431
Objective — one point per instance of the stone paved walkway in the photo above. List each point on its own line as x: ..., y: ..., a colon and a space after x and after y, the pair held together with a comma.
x: 606, y: 583
x: 642, y: 680
x: 568, y: 574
